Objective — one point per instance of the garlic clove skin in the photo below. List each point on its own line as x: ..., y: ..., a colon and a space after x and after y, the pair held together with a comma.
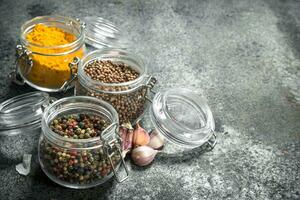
x: 128, y: 140
x: 126, y: 134
x: 140, y: 136
x: 123, y: 135
x: 124, y: 153
x: 143, y: 155
x: 127, y: 125
x: 157, y: 141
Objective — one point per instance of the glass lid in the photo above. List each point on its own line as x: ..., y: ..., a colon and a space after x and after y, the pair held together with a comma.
x: 183, y: 117
x: 102, y: 33
x: 23, y: 112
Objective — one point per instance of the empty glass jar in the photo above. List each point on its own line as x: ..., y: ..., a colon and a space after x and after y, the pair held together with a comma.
x: 183, y: 118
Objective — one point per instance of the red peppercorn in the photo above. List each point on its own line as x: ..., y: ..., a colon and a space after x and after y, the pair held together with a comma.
x: 103, y: 172
x: 73, y: 153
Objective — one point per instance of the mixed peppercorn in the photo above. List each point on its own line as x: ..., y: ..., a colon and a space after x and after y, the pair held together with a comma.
x: 81, y: 126
x: 75, y: 165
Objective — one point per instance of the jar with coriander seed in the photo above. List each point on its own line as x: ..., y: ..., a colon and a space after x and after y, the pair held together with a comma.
x: 118, y: 77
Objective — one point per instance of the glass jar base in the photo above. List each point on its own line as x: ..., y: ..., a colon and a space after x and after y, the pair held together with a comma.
x: 78, y: 186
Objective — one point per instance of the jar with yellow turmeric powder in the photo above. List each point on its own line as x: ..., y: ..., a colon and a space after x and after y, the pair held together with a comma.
x: 48, y: 46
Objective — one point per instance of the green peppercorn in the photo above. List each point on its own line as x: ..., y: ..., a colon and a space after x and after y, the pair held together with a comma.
x: 81, y: 178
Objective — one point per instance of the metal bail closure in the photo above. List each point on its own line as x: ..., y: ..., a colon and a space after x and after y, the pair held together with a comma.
x: 111, y: 148
x: 150, y: 83
x: 82, y: 23
x: 73, y: 74
x: 212, y: 141
x: 45, y: 105
x: 23, y: 65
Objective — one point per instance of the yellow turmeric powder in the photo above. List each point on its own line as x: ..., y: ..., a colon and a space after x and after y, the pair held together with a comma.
x: 50, y: 70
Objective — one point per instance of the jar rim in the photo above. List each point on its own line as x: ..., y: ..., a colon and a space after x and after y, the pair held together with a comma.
x: 53, y: 18
x: 97, y: 55
x: 51, y: 134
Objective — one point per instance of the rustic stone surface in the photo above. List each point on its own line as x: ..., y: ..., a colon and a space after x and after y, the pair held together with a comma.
x: 243, y: 56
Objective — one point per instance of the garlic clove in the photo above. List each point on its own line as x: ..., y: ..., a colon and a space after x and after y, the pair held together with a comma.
x: 143, y: 155
x: 140, y: 136
x: 157, y: 141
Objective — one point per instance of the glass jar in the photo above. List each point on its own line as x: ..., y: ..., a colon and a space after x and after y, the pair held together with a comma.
x: 128, y: 98
x: 29, y: 106
x: 20, y: 119
x: 80, y: 163
x: 38, y: 65
x: 183, y: 119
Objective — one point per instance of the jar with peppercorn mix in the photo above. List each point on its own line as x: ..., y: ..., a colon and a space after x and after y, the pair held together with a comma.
x: 80, y: 145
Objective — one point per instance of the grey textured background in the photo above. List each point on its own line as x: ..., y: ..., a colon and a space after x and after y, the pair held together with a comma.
x: 243, y: 56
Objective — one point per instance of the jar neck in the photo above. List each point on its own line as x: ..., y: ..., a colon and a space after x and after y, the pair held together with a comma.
x: 116, y: 55
x: 80, y: 105
x: 67, y: 24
